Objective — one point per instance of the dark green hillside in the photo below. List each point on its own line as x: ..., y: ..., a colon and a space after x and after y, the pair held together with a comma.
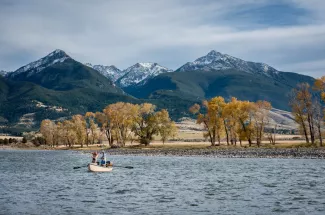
x: 69, y: 84
x: 79, y: 100
x: 199, y: 85
x: 4, y: 89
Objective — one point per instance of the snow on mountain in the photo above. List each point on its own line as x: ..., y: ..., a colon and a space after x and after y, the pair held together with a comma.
x: 140, y: 73
x: 110, y: 72
x: 218, y: 61
x: 57, y: 56
x: 3, y: 73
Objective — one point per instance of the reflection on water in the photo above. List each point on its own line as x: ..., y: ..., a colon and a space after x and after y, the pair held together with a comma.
x: 44, y: 182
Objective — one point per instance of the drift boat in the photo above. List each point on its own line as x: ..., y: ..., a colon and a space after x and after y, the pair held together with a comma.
x: 93, y: 167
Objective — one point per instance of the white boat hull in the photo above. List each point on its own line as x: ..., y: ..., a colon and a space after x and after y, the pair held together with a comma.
x: 93, y: 167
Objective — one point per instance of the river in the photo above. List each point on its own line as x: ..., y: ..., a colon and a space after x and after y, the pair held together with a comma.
x: 44, y: 182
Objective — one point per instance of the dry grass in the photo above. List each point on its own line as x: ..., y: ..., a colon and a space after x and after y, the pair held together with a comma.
x: 16, y: 137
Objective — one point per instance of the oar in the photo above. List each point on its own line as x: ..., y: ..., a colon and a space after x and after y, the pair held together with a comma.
x: 77, y: 167
x: 128, y: 167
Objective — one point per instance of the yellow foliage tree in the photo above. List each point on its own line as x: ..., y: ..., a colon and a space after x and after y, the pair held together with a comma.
x: 246, y: 111
x: 212, y: 119
x: 121, y: 116
x: 230, y: 120
x: 48, y: 130
x: 145, y: 123
x: 91, y: 128
x: 319, y: 86
x: 167, y: 128
x: 303, y: 110
x: 105, y: 125
x: 261, y: 117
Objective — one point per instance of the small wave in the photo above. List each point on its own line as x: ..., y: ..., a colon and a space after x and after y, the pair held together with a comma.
x: 88, y: 201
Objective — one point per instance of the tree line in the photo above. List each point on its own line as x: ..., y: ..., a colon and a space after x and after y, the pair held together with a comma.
x: 118, y: 122
x: 234, y: 120
x: 307, y: 107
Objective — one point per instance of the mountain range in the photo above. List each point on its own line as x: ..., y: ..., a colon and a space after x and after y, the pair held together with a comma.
x: 58, y: 86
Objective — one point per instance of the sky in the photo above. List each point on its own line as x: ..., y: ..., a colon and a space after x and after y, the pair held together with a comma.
x: 288, y: 35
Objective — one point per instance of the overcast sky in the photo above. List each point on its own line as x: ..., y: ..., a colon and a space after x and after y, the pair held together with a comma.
x: 286, y: 34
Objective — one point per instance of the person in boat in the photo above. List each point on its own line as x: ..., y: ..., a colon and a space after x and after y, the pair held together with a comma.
x: 95, y: 155
x: 103, y: 159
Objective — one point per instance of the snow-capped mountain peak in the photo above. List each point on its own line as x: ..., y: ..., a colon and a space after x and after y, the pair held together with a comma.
x: 3, y: 73
x: 110, y: 72
x: 139, y: 73
x: 217, y: 61
x: 57, y: 56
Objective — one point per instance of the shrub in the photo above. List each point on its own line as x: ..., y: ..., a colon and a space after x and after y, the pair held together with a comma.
x: 24, y: 140
x: 6, y: 141
x: 37, y: 141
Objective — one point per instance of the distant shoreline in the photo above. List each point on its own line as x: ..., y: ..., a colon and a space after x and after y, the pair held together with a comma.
x: 295, y: 153
x: 218, y: 152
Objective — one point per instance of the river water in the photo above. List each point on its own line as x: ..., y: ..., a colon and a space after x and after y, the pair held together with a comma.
x: 44, y: 182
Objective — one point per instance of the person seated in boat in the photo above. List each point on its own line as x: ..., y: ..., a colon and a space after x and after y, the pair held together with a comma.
x: 103, y: 159
x: 95, y: 155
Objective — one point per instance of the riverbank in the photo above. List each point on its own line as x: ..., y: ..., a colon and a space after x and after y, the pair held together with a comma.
x: 303, y: 153
x: 295, y: 151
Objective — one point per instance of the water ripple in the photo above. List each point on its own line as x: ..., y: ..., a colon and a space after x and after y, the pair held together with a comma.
x: 44, y: 182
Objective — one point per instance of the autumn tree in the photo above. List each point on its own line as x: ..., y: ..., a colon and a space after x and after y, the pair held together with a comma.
x: 145, y: 123
x: 212, y: 119
x: 49, y: 131
x: 91, y: 128
x: 78, y: 125
x: 121, y: 117
x: 62, y: 133
x: 69, y: 133
x: 319, y: 86
x: 105, y: 124
x: 246, y: 111
x: 167, y: 128
x: 302, y: 107
x: 298, y: 111
x: 318, y: 120
x: 261, y: 117
x: 230, y: 120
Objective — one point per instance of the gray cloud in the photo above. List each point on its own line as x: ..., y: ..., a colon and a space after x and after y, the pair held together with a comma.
x: 170, y: 32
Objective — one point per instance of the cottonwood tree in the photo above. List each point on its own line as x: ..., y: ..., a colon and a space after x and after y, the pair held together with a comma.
x: 261, y: 117
x: 319, y: 86
x: 167, y: 128
x: 318, y: 120
x: 121, y: 116
x: 49, y: 131
x: 298, y: 111
x: 246, y: 112
x: 230, y: 120
x: 145, y: 123
x: 91, y: 128
x: 78, y: 126
x: 105, y: 125
x: 70, y: 134
x: 212, y: 119
x: 303, y: 110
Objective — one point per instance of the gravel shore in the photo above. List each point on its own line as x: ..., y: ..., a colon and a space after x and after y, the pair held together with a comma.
x: 305, y: 153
